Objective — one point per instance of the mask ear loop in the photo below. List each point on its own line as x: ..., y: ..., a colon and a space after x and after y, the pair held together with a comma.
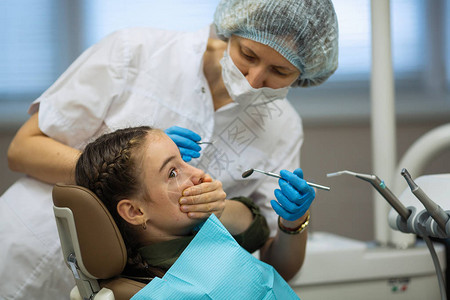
x: 227, y: 52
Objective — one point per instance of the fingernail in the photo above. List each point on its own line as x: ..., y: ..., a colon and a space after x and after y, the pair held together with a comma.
x: 183, y: 201
x: 186, y: 193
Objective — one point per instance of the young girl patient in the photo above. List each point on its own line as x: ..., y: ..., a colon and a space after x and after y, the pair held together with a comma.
x: 139, y: 175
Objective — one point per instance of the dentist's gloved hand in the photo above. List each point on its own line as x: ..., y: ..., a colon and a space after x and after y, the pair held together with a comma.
x: 294, y: 196
x: 185, y: 140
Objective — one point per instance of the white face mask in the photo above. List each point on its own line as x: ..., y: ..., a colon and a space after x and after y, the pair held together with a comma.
x: 240, y: 90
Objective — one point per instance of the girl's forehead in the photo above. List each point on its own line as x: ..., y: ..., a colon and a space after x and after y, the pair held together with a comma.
x: 158, y: 147
x: 155, y: 134
x: 154, y: 137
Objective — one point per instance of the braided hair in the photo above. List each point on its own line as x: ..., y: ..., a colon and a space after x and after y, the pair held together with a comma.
x: 110, y: 168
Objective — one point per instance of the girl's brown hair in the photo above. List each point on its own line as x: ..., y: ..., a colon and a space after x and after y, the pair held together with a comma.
x: 110, y: 168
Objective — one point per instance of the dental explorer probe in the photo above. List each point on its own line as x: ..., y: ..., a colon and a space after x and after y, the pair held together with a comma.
x: 381, y: 188
x: 204, y: 143
x: 250, y: 172
x: 436, y: 212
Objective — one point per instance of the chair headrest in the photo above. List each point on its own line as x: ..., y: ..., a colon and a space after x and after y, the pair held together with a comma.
x: 103, y: 251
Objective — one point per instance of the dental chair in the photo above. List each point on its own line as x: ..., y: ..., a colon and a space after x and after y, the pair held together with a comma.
x: 92, y: 245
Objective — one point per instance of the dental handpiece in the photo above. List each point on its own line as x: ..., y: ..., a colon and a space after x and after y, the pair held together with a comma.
x: 435, y: 211
x: 381, y: 187
x: 250, y: 172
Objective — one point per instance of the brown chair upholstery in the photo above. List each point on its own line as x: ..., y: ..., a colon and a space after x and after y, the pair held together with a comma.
x: 91, y: 242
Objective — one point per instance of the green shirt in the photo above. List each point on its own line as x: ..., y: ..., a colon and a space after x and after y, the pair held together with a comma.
x: 163, y: 255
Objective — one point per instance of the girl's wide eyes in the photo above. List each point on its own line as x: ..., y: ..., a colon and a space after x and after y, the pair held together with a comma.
x: 173, y: 173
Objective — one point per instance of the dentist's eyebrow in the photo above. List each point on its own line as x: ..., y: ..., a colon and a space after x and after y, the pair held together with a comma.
x: 284, y: 68
x: 166, y: 162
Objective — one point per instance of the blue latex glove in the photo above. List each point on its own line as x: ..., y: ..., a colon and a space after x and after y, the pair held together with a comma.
x: 186, y: 140
x: 294, y: 196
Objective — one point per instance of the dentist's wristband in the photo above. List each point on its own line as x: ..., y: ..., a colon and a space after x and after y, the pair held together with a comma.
x: 297, y: 230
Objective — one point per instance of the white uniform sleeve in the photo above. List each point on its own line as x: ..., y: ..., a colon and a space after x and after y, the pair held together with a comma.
x: 74, y: 107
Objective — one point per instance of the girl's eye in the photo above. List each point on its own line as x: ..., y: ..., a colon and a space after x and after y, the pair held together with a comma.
x: 173, y: 173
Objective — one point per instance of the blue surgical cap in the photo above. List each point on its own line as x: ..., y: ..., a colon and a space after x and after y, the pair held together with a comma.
x: 305, y: 32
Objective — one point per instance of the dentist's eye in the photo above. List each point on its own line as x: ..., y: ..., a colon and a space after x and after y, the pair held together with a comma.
x: 246, y: 54
x: 173, y: 173
x: 279, y: 72
x: 248, y: 57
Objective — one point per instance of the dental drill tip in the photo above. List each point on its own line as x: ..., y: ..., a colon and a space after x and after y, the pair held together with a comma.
x: 408, y: 179
x: 405, y: 172
x: 247, y: 173
x: 435, y: 211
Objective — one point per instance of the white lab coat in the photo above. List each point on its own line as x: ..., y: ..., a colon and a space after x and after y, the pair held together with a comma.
x: 134, y: 77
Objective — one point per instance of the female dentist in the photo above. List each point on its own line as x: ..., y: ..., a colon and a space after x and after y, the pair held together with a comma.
x: 231, y: 91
